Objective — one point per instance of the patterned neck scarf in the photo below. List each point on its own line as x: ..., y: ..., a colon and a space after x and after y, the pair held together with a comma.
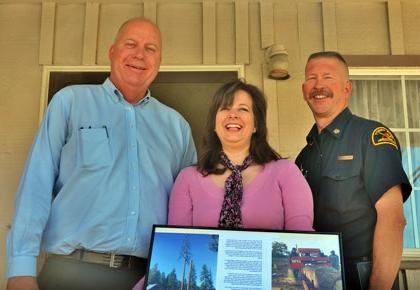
x: 230, y: 215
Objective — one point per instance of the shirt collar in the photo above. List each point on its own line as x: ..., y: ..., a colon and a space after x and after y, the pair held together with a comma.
x: 117, y: 96
x: 335, y: 128
x: 312, y: 135
x: 339, y: 124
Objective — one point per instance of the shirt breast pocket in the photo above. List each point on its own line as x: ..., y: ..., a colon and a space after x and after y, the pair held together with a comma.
x: 342, y: 170
x: 340, y: 183
x: 95, y: 147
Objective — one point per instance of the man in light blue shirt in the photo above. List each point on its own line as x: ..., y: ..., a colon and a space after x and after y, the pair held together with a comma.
x: 99, y: 175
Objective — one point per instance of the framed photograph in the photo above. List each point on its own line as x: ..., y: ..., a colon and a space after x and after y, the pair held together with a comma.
x: 215, y: 258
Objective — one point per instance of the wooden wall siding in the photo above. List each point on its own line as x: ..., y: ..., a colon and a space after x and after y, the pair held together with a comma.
x: 286, y: 32
x: 362, y: 28
x: 209, y: 32
x: 294, y: 117
x: 90, y: 35
x: 270, y: 90
x: 329, y: 24
x: 411, y: 26
x: 68, y: 38
x: 19, y: 99
x: 14, y: 57
x: 310, y: 30
x: 150, y: 9
x: 225, y: 33
x: 253, y: 71
x: 396, y: 35
x: 183, y: 35
x: 20, y: 86
x: 46, y: 43
x: 242, y: 32
x: 256, y: 72
x: 267, y: 23
x: 19, y: 77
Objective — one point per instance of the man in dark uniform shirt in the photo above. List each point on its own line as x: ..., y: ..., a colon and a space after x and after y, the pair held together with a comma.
x: 354, y: 168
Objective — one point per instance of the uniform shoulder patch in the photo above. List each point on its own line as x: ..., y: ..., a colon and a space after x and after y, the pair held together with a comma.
x: 382, y: 135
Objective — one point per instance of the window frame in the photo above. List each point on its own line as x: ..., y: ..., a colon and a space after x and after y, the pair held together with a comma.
x: 400, y: 73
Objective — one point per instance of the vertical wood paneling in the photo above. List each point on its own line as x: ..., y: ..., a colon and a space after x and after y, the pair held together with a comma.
x: 68, y: 33
x: 270, y: 90
x: 362, y: 27
x: 310, y: 32
x: 209, y: 32
x: 150, y: 10
x: 395, y: 27
x: 47, y: 33
x: 90, y: 38
x: 267, y: 23
x: 225, y: 33
x: 242, y: 31
x: 20, y: 33
x: 286, y: 31
x: 182, y: 27
x: 411, y: 26
x: 329, y: 24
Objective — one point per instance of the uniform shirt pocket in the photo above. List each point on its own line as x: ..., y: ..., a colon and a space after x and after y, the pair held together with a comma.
x: 341, y: 186
x: 95, y: 147
x: 342, y: 170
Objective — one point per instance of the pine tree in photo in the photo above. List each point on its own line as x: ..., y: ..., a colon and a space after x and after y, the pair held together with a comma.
x: 206, y: 279
x: 193, y: 278
x: 185, y: 254
x: 155, y: 275
x: 172, y: 281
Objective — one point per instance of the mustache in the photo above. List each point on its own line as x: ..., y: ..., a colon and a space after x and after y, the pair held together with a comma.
x: 323, y: 92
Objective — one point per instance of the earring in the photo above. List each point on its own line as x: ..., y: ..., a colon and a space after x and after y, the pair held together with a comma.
x: 255, y: 130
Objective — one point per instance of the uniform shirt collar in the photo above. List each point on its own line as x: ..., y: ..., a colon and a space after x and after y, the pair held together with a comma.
x: 117, y: 96
x: 339, y: 124
x: 312, y: 135
x: 335, y: 128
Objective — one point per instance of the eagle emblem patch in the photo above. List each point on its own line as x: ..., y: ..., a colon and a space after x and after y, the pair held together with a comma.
x: 382, y: 135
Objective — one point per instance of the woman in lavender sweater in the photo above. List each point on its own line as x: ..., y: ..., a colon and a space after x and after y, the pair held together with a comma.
x: 240, y: 181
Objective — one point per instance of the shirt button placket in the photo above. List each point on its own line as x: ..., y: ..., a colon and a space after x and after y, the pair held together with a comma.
x: 133, y: 195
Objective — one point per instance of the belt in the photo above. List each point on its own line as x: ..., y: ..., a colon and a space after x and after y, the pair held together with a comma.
x: 107, y: 259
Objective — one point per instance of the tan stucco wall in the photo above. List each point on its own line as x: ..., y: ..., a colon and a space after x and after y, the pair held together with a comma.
x: 78, y: 32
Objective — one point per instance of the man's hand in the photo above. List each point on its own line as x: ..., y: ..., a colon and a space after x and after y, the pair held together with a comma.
x: 22, y: 283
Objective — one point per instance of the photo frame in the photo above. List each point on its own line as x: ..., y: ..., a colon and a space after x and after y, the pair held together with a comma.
x: 217, y: 258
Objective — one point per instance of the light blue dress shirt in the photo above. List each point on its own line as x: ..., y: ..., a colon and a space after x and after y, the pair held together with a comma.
x: 98, y: 176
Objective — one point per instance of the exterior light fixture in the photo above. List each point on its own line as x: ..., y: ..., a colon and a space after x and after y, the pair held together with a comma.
x: 278, y: 63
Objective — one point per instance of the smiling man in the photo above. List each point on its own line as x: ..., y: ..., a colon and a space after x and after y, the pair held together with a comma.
x: 135, y: 58
x: 353, y: 166
x: 99, y: 175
